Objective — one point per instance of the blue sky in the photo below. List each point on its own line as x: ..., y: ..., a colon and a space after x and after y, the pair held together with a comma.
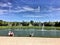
x: 26, y: 10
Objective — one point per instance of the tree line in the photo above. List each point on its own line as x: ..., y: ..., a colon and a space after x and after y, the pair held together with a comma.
x: 31, y: 23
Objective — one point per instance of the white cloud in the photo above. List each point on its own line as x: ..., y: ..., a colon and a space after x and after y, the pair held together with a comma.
x: 53, y: 9
x: 27, y: 8
x: 8, y: 4
x: 38, y: 9
x: 32, y: 9
x: 32, y: 16
x: 3, y: 11
x: 57, y: 9
x: 17, y: 9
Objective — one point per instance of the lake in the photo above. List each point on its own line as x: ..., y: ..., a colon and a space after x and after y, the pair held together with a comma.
x: 27, y: 32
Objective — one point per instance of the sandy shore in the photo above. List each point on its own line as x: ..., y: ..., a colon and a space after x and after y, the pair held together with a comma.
x: 29, y: 41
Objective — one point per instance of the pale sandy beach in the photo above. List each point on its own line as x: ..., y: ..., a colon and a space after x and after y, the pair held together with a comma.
x: 29, y: 41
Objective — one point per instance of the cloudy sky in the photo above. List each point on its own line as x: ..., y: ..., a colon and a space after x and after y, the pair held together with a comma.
x: 26, y: 10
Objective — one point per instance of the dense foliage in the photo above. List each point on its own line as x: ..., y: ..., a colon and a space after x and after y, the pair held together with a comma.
x: 31, y: 23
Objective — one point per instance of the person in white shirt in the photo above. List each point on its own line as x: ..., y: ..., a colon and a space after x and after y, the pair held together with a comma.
x: 10, y: 33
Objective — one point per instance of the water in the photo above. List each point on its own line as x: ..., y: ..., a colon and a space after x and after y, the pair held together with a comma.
x: 35, y: 32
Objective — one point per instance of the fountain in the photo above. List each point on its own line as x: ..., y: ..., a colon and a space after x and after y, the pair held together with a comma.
x: 51, y: 32
x: 42, y: 29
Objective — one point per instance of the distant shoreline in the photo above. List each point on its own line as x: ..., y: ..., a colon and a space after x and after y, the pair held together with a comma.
x: 29, y: 27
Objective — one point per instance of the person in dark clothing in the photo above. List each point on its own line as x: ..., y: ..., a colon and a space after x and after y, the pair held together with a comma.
x: 31, y: 35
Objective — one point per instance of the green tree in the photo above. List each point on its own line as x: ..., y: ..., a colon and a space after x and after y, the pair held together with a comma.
x: 31, y: 22
x: 25, y: 23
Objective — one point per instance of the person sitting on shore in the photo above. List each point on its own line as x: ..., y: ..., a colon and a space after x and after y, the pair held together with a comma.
x: 10, y: 33
x: 31, y: 35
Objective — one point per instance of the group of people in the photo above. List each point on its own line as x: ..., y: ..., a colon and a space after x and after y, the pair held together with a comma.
x: 10, y: 33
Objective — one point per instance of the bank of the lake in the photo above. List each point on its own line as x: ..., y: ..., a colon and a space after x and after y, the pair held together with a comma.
x: 29, y: 27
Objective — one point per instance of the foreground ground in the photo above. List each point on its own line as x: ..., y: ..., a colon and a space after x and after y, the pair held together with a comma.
x: 29, y: 41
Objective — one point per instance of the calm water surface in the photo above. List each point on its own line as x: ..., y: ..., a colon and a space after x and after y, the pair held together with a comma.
x: 27, y: 32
